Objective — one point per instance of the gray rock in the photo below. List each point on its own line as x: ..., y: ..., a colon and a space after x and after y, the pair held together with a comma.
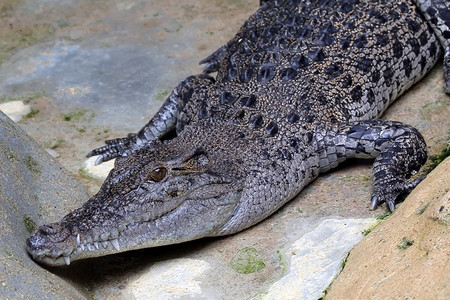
x: 317, y: 257
x: 33, y: 190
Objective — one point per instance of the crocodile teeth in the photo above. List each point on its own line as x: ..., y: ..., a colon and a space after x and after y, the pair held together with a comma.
x: 105, y: 244
x: 89, y: 247
x: 96, y: 245
x: 78, y: 240
x: 115, y: 244
x: 82, y: 246
x: 67, y: 260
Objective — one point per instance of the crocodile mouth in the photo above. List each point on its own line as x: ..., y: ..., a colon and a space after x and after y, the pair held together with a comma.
x: 77, y: 246
x: 61, y: 243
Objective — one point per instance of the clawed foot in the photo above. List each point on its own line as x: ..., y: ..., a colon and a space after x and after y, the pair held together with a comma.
x: 114, y: 148
x: 212, y: 62
x: 389, y: 195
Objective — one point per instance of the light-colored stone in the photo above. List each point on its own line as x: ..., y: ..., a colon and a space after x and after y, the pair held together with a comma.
x: 170, y: 280
x: 100, y: 171
x: 316, y: 258
x: 408, y: 255
x: 52, y: 153
x: 15, y: 110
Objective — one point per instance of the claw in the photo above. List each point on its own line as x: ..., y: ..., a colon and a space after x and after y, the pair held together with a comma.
x: 210, y: 67
x: 99, y: 160
x: 391, y: 205
x: 89, y: 154
x: 213, y: 60
x: 374, y: 203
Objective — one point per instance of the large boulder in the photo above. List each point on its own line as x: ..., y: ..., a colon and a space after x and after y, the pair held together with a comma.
x: 33, y: 190
x: 407, y: 256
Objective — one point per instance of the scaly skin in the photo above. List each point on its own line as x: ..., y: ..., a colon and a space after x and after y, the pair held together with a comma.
x: 296, y: 93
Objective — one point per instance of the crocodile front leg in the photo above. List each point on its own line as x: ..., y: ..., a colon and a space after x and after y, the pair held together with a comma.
x: 399, y: 151
x: 164, y: 121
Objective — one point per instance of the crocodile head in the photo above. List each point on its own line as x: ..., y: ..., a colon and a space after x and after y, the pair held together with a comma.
x: 171, y: 192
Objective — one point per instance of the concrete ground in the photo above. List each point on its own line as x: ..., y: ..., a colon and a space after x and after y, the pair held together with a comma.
x: 80, y: 72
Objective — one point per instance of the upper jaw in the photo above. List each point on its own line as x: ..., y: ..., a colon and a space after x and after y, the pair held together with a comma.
x: 61, y: 243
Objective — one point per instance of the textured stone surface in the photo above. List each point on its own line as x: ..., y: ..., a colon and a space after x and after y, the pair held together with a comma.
x: 170, y: 279
x: 316, y: 258
x: 34, y: 190
x: 407, y: 256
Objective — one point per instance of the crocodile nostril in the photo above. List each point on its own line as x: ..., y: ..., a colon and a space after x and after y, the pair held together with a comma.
x: 47, y: 229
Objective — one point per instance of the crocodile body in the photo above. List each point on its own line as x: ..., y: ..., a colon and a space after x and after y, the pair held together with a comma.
x: 298, y: 90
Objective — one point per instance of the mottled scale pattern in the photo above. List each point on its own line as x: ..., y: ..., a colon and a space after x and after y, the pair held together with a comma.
x: 306, y: 73
x: 296, y: 73
x: 298, y: 90
x: 291, y: 62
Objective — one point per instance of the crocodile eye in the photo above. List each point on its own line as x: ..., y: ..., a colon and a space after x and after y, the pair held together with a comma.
x: 158, y: 174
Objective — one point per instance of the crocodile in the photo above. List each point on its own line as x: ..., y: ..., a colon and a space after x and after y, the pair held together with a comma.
x: 297, y: 91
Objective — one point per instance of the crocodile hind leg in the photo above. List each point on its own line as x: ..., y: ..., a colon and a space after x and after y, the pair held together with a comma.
x: 399, y: 151
x: 164, y: 121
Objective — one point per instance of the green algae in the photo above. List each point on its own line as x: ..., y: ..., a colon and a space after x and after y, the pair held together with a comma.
x: 32, y: 113
x: 73, y: 116
x: 422, y: 209
x: 32, y: 165
x: 22, y: 97
x: 247, y: 261
x: 435, y: 160
x: 162, y: 95
x: 30, y: 225
x: 282, y: 262
x: 405, y: 243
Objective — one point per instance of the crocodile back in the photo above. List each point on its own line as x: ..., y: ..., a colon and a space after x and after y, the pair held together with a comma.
x: 315, y: 62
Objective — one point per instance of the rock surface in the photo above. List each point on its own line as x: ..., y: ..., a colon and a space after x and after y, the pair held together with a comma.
x: 326, y: 246
x: 408, y: 255
x: 34, y: 190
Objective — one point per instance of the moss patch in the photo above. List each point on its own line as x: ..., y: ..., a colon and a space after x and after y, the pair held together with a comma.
x: 435, y: 160
x: 422, y: 209
x: 53, y: 143
x: 32, y: 113
x: 247, y: 261
x: 9, y: 154
x: 405, y: 243
x: 380, y: 218
x: 162, y: 95
x: 32, y: 165
x: 73, y: 116
x: 22, y: 97
x: 369, y: 230
x: 30, y: 225
x: 282, y: 263
x: 384, y: 216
